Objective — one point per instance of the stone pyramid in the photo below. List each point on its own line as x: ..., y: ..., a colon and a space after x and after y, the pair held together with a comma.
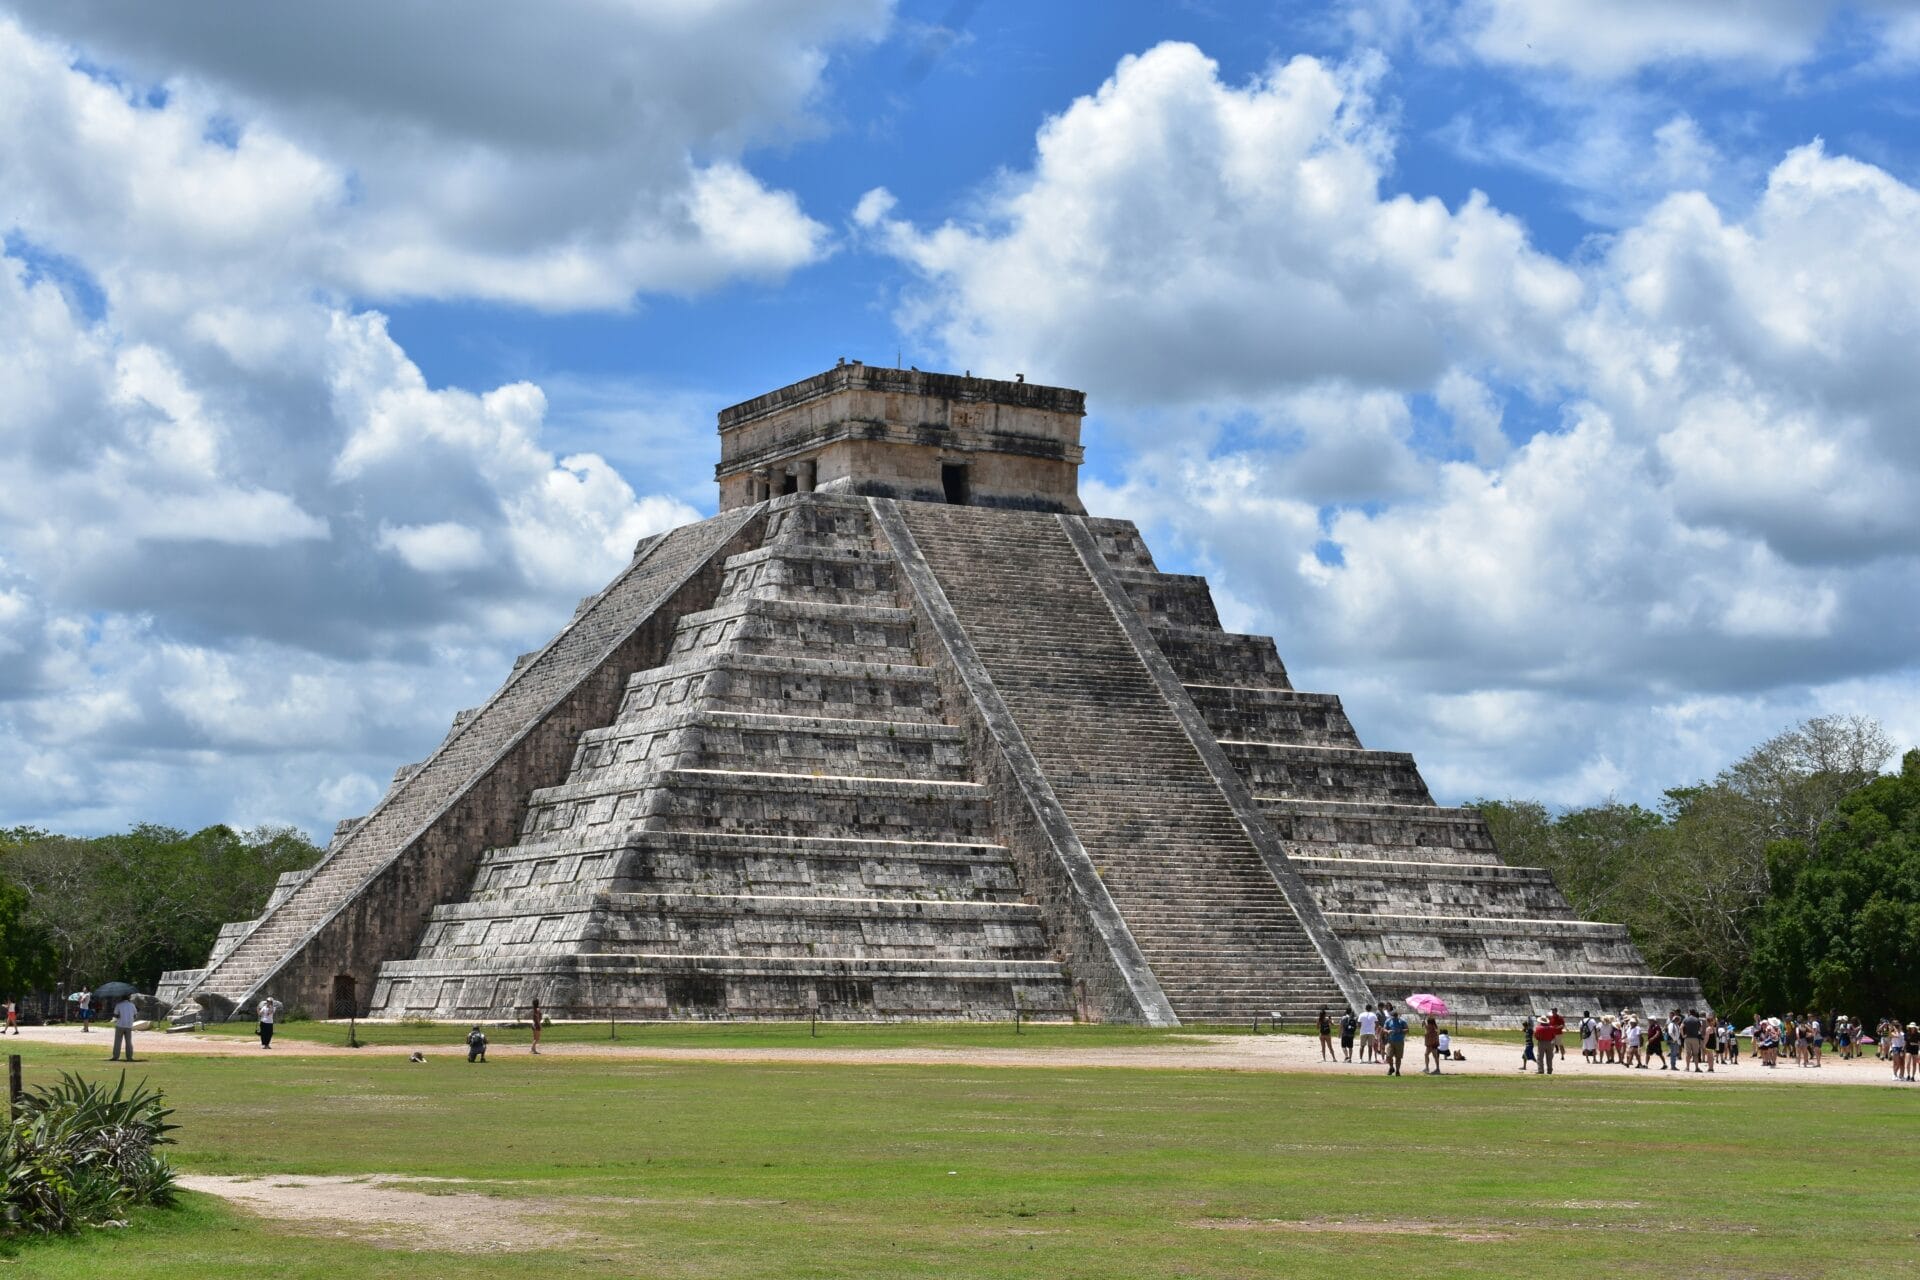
x: 903, y: 733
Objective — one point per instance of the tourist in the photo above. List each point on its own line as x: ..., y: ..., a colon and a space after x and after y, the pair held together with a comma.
x: 1526, y: 1029
x: 123, y: 1015
x: 1656, y: 1044
x: 1607, y: 1040
x: 539, y: 1021
x: 1589, y: 1038
x: 1430, y: 1042
x: 13, y: 1017
x: 1326, y: 1035
x: 1895, y: 1039
x: 1675, y: 1040
x: 86, y: 1011
x: 1368, y: 1021
x: 1380, y: 1031
x: 269, y: 1009
x: 1691, y: 1029
x: 1544, y: 1036
x: 1395, y: 1032
x: 476, y: 1044
x: 1710, y: 1026
x: 1348, y: 1025
x: 1559, y: 1025
x: 1446, y: 1045
x: 1634, y: 1035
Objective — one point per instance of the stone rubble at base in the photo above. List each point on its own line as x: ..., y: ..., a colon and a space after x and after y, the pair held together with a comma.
x: 902, y: 733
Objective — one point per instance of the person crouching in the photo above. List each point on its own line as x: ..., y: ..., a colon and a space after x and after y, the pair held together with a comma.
x: 476, y: 1044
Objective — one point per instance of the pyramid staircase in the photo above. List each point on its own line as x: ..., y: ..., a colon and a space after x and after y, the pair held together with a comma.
x: 1219, y: 934
x: 779, y: 820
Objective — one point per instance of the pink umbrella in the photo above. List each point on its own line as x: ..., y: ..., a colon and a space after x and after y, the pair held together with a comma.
x: 1428, y: 1004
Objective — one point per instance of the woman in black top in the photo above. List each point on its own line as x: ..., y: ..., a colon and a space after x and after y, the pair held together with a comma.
x: 1326, y: 1035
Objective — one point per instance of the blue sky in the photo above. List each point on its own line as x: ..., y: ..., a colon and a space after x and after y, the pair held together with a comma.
x: 1539, y: 375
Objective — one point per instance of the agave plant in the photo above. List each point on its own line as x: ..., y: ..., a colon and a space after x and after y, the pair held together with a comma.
x: 77, y: 1155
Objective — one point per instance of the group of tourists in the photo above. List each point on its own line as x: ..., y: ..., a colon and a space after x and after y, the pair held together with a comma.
x: 1805, y: 1040
x: 1380, y: 1032
x: 1684, y: 1040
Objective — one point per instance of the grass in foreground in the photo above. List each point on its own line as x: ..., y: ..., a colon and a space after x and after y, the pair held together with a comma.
x: 741, y: 1170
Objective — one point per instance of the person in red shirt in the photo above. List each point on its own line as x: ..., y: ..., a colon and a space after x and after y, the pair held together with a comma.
x: 1559, y: 1025
x: 1544, y: 1037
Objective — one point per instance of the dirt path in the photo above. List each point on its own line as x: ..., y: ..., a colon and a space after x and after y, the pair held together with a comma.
x: 382, y: 1210
x: 1279, y: 1053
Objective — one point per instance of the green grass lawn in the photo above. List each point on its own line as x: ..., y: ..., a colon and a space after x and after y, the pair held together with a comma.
x: 734, y: 1170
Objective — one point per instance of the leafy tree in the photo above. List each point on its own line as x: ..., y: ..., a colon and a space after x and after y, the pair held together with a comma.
x: 1693, y: 881
x: 1842, y: 930
x: 26, y: 958
x: 130, y: 905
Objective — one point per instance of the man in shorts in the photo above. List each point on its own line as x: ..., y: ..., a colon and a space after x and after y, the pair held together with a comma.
x: 1690, y: 1028
x: 1348, y: 1025
x: 1395, y: 1030
x: 1369, y: 1022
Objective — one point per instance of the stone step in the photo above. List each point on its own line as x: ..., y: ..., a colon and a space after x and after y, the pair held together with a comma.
x: 726, y: 680
x: 1371, y: 831
x: 709, y: 738
x: 1213, y: 656
x: 1238, y: 713
x: 740, y: 925
x: 801, y: 572
x: 1180, y: 598
x: 1120, y: 543
x: 769, y: 804
x: 710, y: 987
x: 1362, y: 887
x: 721, y: 862
x: 801, y: 628
x: 1341, y: 774
x: 820, y: 523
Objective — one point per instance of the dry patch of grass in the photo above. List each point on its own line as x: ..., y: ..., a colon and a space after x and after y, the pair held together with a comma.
x: 384, y: 1210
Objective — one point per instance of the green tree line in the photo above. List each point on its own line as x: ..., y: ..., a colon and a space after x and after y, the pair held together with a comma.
x: 1790, y: 881
x: 79, y: 912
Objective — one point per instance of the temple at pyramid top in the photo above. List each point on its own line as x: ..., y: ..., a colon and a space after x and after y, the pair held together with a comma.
x: 902, y: 433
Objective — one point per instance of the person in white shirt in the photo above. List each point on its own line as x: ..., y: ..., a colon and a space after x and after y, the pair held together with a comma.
x: 123, y: 1015
x: 269, y: 1008
x: 1634, y: 1034
x: 1368, y: 1020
